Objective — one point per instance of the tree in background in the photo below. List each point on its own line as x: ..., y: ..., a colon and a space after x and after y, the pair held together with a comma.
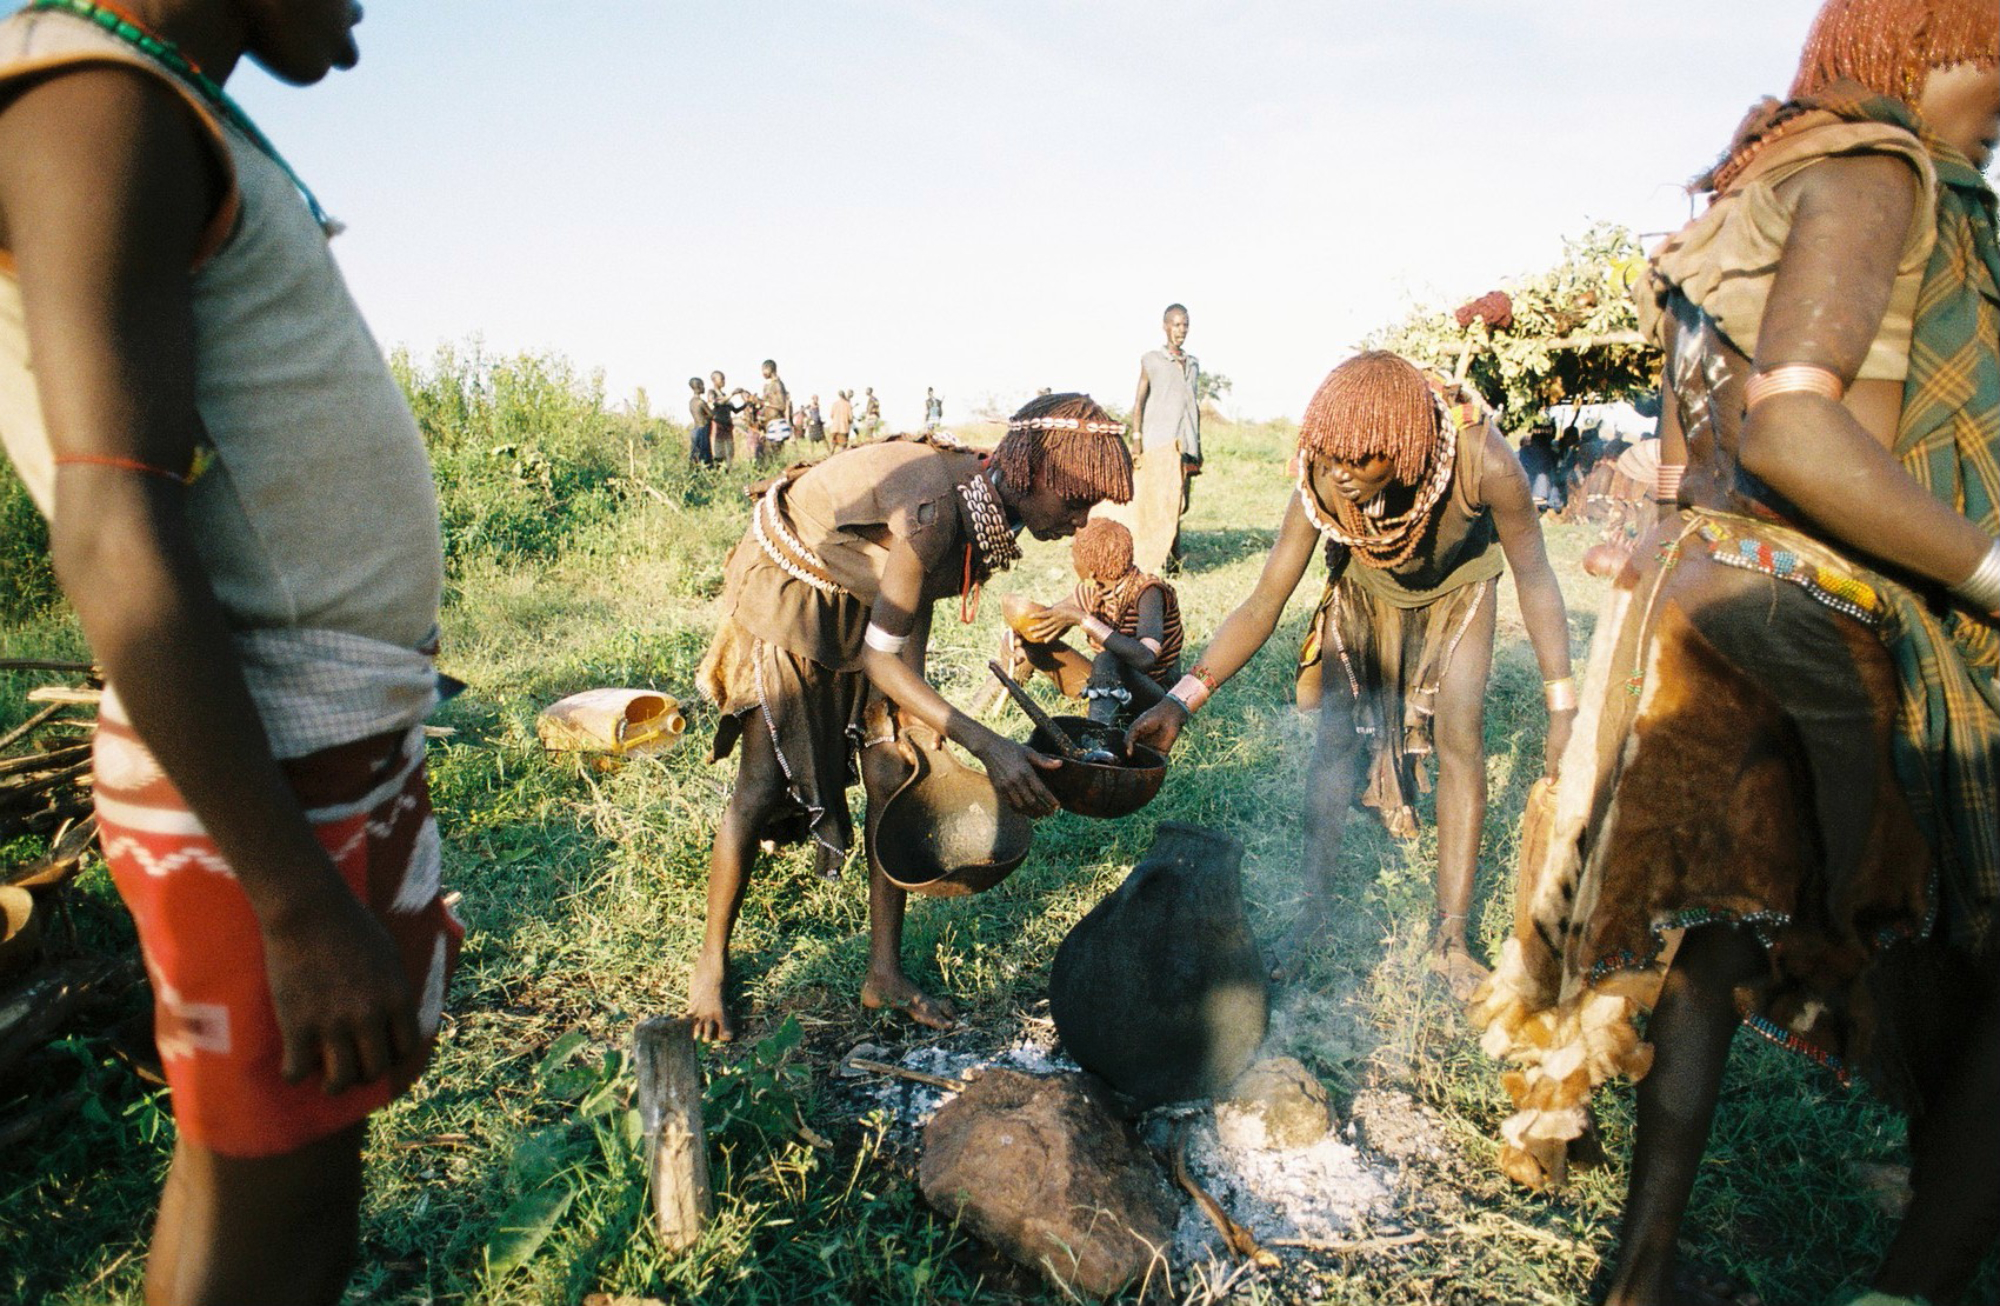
x: 1569, y: 334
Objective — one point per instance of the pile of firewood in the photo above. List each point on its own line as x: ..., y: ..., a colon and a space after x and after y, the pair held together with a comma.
x: 45, y: 761
x: 47, y: 980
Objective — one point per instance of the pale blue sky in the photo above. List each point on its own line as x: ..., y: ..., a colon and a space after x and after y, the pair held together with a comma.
x: 992, y: 197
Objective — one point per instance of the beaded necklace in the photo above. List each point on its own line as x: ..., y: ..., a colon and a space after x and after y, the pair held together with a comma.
x: 1391, y: 542
x: 107, y: 17
x: 992, y: 539
x: 990, y: 532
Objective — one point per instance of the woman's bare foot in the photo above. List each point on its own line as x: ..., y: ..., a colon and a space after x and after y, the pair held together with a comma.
x: 705, y: 1005
x: 895, y: 992
x: 1692, y: 1285
x: 1460, y: 972
x: 1293, y: 949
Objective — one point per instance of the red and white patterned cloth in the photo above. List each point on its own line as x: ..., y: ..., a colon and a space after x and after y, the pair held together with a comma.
x: 217, y: 1031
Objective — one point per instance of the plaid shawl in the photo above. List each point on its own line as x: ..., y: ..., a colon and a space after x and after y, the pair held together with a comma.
x: 1948, y: 750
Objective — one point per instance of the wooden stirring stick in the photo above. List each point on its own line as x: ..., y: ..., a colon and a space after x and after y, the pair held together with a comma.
x: 1043, y: 722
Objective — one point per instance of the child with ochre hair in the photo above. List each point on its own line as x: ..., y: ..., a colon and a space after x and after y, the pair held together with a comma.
x: 1131, y: 621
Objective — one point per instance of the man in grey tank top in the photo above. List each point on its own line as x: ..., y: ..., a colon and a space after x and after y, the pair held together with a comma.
x: 1167, y: 407
x: 1166, y: 419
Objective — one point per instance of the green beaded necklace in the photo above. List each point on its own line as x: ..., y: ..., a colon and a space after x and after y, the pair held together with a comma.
x: 168, y: 55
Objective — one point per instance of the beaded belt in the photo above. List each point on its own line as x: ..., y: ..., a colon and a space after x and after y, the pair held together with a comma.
x: 786, y: 550
x: 1788, y: 560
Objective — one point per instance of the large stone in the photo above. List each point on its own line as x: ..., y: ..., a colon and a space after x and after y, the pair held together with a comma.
x: 1040, y: 1168
x: 1276, y: 1103
x: 1160, y: 989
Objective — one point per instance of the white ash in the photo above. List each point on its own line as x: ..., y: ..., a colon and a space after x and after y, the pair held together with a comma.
x: 912, y: 1105
x: 1327, y: 1192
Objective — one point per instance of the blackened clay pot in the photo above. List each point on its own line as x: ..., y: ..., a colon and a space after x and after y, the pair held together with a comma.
x: 1160, y: 989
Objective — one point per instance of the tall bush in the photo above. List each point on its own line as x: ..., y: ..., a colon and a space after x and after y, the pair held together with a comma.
x: 1535, y: 361
x: 525, y: 451
x: 27, y: 583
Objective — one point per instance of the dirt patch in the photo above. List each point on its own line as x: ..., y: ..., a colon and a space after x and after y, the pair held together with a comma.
x: 1396, y: 1126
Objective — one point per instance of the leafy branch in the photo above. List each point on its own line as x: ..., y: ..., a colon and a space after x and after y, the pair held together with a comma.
x: 1573, y: 335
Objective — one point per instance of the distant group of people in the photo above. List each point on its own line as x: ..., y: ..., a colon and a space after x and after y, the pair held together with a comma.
x: 1569, y: 473
x: 770, y: 419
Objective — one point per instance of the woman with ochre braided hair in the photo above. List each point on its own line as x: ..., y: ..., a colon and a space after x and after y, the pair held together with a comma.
x: 1789, y: 762
x: 1417, y: 499
x: 826, y: 614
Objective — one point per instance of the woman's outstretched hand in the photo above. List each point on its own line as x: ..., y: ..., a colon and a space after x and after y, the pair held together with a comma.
x: 1015, y: 772
x: 1158, y: 727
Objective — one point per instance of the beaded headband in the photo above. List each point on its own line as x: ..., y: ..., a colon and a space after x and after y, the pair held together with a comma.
x: 1066, y: 424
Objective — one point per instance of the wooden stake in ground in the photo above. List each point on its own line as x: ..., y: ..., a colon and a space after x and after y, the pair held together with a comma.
x: 670, y: 1111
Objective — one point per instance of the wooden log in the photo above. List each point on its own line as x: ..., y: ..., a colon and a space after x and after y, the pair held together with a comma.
x: 17, y: 793
x: 62, y: 859
x: 670, y: 1112
x: 35, y: 1122
x: 38, y: 664
x: 53, y: 818
x: 66, y: 696
x: 29, y: 726
x: 49, y: 761
x: 36, y: 1009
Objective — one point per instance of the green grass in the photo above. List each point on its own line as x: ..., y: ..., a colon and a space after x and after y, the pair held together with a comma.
x: 583, y: 897
x: 27, y: 584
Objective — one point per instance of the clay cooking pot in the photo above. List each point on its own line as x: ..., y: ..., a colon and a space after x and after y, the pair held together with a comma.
x: 1160, y: 990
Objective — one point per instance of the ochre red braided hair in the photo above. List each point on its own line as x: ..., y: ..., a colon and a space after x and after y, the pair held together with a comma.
x: 1890, y: 46
x: 1857, y: 48
x: 1102, y: 551
x: 1077, y: 464
x: 1377, y: 403
x: 1374, y: 403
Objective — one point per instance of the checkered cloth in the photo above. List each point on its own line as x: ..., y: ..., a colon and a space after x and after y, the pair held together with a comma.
x: 1948, y: 753
x: 315, y: 689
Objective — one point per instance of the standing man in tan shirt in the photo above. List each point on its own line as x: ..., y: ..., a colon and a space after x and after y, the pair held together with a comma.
x: 840, y: 419
x: 1166, y: 427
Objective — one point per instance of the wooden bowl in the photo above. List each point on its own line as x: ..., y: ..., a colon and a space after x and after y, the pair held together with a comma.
x: 1106, y: 790
x: 20, y: 928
